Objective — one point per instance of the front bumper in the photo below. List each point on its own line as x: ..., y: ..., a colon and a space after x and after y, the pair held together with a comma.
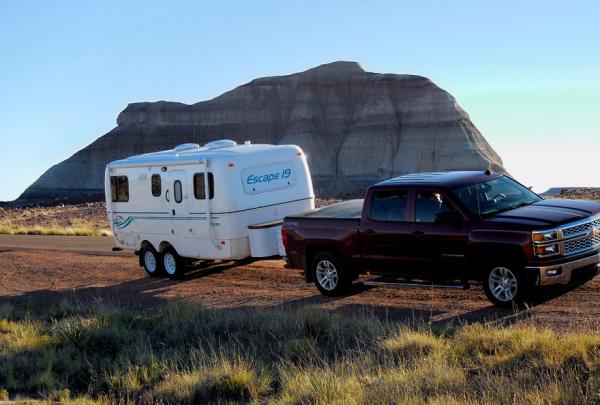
x: 564, y: 271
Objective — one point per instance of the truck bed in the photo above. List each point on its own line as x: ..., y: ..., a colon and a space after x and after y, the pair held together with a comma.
x: 351, y: 209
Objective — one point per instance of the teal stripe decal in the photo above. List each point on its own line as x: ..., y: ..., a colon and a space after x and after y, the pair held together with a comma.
x: 122, y: 223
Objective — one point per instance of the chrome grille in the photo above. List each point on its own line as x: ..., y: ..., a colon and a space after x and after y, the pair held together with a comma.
x: 581, y: 228
x: 570, y: 239
x: 582, y: 244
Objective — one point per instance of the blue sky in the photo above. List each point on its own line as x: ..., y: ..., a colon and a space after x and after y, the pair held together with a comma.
x: 527, y: 72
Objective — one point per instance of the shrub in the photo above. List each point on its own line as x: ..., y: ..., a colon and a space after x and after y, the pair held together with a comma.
x: 223, y: 380
x: 184, y: 353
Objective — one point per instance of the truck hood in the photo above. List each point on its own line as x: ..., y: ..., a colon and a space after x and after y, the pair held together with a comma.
x: 549, y: 213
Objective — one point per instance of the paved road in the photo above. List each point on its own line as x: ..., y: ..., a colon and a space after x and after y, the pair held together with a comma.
x: 92, y: 244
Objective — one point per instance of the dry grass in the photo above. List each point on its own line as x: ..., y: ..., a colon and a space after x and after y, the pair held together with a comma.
x: 54, y: 230
x: 71, y: 220
x: 182, y: 353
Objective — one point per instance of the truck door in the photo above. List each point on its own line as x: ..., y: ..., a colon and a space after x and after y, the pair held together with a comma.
x: 178, y: 202
x: 440, y: 234
x: 385, y: 233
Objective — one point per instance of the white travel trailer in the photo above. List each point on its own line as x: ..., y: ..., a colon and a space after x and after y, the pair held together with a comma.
x: 222, y: 201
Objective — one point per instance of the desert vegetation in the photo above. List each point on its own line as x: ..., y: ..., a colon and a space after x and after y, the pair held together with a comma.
x: 581, y: 194
x: 184, y: 353
x: 87, y: 219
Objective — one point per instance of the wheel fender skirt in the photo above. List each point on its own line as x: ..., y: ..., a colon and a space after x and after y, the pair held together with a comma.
x: 308, y: 278
x: 532, y: 276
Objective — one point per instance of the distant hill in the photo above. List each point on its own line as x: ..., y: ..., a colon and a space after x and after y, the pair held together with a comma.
x: 356, y: 128
x: 588, y: 193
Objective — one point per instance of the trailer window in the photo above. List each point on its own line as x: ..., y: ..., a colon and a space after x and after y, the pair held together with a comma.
x: 119, y: 188
x: 389, y: 206
x: 156, y: 186
x: 177, y: 191
x: 200, y: 186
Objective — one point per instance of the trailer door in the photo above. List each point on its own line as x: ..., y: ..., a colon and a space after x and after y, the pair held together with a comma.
x: 177, y: 196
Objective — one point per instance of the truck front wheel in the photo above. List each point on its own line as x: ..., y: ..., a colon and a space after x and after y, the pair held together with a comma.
x: 329, y: 275
x: 505, y: 285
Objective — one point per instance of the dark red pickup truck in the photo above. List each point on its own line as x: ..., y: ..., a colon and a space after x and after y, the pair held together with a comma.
x: 446, y: 230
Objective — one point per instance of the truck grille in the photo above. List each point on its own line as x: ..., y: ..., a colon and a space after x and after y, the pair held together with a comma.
x: 580, y: 245
x: 585, y: 236
x: 581, y: 228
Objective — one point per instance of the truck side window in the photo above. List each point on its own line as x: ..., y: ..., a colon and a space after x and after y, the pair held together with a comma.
x: 389, y: 206
x: 156, y: 185
x: 119, y: 188
x: 200, y: 186
x: 429, y: 205
x: 177, y: 191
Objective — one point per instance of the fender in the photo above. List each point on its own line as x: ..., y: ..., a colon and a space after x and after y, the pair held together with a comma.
x: 487, y: 246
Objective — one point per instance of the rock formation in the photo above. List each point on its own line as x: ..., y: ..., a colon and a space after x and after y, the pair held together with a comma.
x: 356, y: 128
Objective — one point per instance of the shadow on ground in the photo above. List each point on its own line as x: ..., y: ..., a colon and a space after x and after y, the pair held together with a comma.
x: 147, y: 293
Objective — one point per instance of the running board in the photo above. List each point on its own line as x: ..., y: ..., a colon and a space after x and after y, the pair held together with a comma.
x: 382, y: 282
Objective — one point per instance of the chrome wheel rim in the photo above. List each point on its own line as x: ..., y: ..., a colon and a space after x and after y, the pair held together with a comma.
x: 327, y: 275
x: 170, y: 263
x: 503, y: 284
x: 150, y: 261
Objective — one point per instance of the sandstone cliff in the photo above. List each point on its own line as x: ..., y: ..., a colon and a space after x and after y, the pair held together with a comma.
x: 356, y: 128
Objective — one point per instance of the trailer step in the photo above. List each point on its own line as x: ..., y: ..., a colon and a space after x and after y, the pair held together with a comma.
x: 386, y: 282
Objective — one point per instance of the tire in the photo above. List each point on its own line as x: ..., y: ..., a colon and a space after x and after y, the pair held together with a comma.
x: 329, y: 275
x: 151, y: 261
x: 505, y: 286
x: 172, y: 263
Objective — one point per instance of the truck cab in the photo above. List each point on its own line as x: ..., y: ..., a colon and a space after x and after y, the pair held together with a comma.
x: 446, y: 230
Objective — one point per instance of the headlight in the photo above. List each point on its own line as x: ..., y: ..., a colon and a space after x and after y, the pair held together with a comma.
x: 544, y: 236
x: 549, y: 250
x: 543, y: 245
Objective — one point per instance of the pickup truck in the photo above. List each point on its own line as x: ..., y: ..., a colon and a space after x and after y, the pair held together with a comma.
x: 447, y: 230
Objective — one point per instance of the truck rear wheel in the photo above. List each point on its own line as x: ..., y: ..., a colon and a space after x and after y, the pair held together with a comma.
x: 150, y: 260
x: 505, y: 285
x: 329, y: 275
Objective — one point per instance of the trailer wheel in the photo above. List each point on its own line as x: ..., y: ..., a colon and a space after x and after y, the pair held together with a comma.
x: 150, y: 260
x: 172, y: 263
x: 505, y: 285
x: 329, y: 275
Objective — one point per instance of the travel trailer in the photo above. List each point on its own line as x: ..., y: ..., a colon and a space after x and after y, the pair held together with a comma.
x: 222, y: 201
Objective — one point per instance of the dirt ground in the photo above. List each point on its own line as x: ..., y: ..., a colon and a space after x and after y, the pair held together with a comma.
x: 50, y: 277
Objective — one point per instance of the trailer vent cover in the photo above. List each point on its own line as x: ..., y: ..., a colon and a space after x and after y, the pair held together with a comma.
x: 186, y: 146
x: 223, y: 143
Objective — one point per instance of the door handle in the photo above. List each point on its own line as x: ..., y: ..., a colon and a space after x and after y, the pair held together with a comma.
x: 418, y: 233
x: 167, y: 196
x: 368, y: 231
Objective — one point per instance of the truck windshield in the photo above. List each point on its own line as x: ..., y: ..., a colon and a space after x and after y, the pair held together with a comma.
x: 493, y: 196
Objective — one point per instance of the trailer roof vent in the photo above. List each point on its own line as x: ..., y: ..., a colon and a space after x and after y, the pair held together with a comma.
x: 186, y: 146
x: 223, y: 143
